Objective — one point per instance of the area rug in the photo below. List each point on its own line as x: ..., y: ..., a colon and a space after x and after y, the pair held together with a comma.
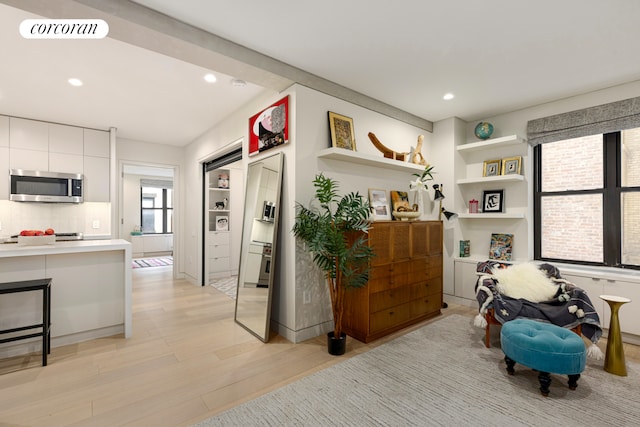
x: 441, y: 375
x: 227, y: 285
x: 151, y: 262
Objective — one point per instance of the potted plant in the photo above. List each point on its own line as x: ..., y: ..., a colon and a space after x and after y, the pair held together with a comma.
x: 334, y: 230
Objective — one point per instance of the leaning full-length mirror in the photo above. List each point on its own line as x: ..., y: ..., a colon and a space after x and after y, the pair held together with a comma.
x: 258, y: 249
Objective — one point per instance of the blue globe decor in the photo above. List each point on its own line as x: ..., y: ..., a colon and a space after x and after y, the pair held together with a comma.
x: 483, y: 130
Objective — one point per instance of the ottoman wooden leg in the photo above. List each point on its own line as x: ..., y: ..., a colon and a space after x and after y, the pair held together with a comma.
x: 573, y: 381
x: 510, y: 364
x: 545, y: 382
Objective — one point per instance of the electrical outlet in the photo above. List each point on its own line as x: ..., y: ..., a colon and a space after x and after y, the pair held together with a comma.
x: 96, y: 223
x: 306, y: 297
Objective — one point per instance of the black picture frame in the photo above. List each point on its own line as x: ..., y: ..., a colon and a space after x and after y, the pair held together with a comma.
x: 493, y: 201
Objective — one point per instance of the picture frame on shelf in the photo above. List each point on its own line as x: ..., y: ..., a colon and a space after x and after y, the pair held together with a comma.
x: 493, y: 201
x: 491, y: 167
x: 501, y: 246
x: 379, y: 204
x: 222, y: 223
x: 400, y: 201
x: 342, y: 131
x: 512, y: 165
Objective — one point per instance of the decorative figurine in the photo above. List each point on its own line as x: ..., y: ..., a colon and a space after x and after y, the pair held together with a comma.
x: 418, y: 158
x: 387, y: 152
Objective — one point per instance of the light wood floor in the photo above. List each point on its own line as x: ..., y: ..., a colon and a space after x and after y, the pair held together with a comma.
x: 187, y: 360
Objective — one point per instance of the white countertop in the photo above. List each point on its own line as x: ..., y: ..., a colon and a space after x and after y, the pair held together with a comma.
x: 14, y: 249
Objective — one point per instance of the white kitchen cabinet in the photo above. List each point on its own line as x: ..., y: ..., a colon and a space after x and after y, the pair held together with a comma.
x: 96, y: 179
x: 96, y: 143
x: 66, y: 163
x: 65, y: 139
x: 4, y: 175
x: 28, y: 134
x: 28, y: 159
x: 4, y: 131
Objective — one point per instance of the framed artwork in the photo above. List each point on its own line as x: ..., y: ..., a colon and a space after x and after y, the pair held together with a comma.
x: 491, y: 168
x: 400, y: 201
x: 501, y: 247
x: 342, y: 134
x: 492, y: 201
x: 222, y: 223
x: 511, y: 165
x: 379, y: 204
x: 270, y: 127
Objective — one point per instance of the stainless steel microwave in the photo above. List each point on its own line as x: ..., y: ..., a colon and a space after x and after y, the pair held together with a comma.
x: 53, y: 187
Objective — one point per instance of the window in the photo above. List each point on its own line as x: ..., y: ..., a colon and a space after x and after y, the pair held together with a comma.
x: 157, y: 210
x: 587, y: 200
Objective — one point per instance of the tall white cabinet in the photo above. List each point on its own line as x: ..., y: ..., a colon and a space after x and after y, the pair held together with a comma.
x: 223, y: 213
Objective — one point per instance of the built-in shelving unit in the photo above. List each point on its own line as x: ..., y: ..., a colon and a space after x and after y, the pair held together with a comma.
x: 490, y: 179
x: 501, y: 142
x: 368, y: 159
x: 219, y: 223
x: 491, y: 216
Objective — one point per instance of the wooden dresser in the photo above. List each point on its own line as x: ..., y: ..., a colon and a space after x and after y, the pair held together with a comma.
x: 405, y: 283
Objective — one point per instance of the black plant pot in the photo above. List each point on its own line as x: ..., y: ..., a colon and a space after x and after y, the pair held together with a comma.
x: 336, y: 346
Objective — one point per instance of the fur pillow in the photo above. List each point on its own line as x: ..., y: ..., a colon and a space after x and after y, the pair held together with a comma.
x: 525, y: 281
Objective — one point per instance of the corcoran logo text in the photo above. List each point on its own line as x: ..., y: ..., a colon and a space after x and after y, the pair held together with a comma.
x: 64, y: 29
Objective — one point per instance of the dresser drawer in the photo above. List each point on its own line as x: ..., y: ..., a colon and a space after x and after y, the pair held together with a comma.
x: 219, y: 264
x: 388, y: 276
x: 426, y: 287
x: 217, y: 251
x: 390, y: 317
x: 390, y: 298
x: 429, y: 304
x: 218, y: 238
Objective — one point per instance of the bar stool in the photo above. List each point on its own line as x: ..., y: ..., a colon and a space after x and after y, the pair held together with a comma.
x: 43, y: 285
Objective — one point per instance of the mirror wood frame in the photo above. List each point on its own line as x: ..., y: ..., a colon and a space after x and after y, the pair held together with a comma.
x: 259, y: 245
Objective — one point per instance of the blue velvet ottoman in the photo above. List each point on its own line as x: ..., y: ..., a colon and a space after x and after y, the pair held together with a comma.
x: 545, y: 348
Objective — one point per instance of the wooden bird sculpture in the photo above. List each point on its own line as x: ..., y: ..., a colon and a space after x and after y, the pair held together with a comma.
x: 386, y: 152
x: 418, y: 158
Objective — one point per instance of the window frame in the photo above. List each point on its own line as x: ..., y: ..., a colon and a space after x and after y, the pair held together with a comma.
x: 611, y: 199
x: 164, y: 208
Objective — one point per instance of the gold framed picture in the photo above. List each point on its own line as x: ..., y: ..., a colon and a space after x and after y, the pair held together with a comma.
x: 512, y: 165
x: 491, y: 168
x: 342, y: 134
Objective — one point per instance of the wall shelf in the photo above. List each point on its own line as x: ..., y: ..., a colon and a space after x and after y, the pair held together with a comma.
x: 368, y: 159
x: 488, y: 179
x: 501, y: 142
x: 491, y: 216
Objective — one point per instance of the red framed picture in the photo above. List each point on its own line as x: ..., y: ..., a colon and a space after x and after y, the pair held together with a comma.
x: 270, y: 127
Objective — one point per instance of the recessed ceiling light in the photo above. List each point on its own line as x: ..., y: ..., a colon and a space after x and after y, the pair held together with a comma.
x: 75, y: 82
x: 238, y: 82
x: 448, y: 96
x: 210, y: 78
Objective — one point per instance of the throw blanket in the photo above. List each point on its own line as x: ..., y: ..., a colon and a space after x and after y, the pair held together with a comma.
x: 569, y: 308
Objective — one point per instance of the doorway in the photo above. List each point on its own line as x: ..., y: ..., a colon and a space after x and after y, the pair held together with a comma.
x: 148, y: 213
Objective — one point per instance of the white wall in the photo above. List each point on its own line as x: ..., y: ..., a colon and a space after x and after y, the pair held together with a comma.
x: 312, y: 136
x: 516, y: 123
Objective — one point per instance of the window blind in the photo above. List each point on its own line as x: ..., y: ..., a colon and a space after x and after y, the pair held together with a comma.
x: 604, y: 118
